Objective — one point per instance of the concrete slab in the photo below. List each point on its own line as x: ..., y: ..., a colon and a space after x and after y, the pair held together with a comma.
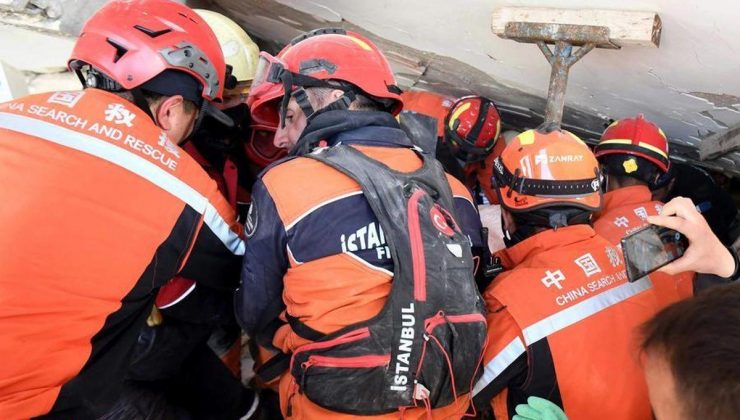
x: 33, y: 50
x: 12, y: 82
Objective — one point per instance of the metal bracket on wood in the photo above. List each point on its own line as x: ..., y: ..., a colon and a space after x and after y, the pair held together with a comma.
x: 561, y: 60
x: 564, y: 37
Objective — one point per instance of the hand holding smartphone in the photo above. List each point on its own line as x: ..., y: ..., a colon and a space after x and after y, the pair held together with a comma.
x: 650, y: 248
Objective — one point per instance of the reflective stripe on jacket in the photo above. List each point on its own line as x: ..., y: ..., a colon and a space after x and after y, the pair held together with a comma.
x: 561, y: 326
x: 100, y: 209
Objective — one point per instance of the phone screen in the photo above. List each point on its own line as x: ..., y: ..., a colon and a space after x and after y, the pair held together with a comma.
x: 650, y: 248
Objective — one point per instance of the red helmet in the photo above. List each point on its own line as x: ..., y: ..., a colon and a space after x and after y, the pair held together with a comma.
x: 638, y: 137
x: 318, y: 57
x: 472, y: 127
x: 132, y: 41
x: 538, y: 170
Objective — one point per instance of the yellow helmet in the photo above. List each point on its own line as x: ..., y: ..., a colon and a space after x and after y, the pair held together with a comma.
x: 240, y: 52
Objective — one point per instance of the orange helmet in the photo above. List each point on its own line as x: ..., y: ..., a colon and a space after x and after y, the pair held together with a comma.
x: 540, y: 169
x: 430, y: 104
x: 637, y: 137
x: 332, y: 58
x: 472, y: 127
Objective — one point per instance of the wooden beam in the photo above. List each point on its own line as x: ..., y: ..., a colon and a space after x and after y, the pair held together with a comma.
x: 625, y: 28
x: 719, y: 144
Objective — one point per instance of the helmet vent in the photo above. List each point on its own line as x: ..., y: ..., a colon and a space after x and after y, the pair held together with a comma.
x: 187, y: 17
x: 152, y: 33
x: 120, y: 49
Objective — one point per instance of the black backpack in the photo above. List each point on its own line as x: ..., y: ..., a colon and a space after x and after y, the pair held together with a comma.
x: 425, y: 346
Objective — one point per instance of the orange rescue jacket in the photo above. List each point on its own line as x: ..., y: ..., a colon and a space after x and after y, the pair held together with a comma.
x: 561, y: 326
x: 99, y: 209
x: 624, y: 212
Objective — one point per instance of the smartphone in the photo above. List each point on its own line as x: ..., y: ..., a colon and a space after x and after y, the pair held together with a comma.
x: 650, y: 248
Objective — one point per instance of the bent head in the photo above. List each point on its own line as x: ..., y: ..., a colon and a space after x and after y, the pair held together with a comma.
x: 545, y: 178
x: 325, y: 69
x: 160, y: 55
x: 472, y: 127
x: 633, y: 151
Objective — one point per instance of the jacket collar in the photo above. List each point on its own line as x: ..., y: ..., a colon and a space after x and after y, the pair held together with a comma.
x: 634, y: 195
x: 373, y: 128
x: 543, y: 242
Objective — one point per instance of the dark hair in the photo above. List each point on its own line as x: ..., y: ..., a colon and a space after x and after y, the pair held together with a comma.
x: 700, y: 340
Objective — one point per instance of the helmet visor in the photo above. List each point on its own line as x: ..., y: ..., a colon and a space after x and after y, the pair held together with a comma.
x: 268, y: 72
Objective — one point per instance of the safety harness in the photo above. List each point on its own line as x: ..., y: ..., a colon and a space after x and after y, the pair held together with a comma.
x: 424, y: 347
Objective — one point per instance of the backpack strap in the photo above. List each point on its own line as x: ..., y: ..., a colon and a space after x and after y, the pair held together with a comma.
x: 276, y: 366
x: 302, y: 329
x: 366, y: 170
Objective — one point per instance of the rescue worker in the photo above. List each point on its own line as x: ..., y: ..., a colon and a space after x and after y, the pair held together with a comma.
x: 633, y: 154
x: 193, y: 326
x: 560, y: 320
x: 468, y: 136
x: 315, y: 255
x: 473, y: 141
x: 106, y: 207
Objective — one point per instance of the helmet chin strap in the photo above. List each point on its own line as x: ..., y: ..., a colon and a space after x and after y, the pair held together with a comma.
x: 301, y: 96
x: 196, y: 125
x: 290, y: 79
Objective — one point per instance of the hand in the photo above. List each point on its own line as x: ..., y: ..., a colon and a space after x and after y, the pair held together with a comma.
x: 705, y: 253
x: 539, y: 409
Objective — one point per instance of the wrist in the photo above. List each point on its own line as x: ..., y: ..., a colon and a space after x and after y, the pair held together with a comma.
x: 728, y: 262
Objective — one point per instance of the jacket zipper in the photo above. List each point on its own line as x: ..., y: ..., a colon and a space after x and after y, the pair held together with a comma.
x: 440, y: 318
x: 349, y: 362
x: 341, y: 362
x: 342, y: 339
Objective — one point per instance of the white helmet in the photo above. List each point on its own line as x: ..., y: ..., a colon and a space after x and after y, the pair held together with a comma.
x: 240, y: 52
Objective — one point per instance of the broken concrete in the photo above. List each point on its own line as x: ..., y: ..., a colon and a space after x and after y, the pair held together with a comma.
x: 441, y: 46
x: 30, y: 49
x: 12, y: 82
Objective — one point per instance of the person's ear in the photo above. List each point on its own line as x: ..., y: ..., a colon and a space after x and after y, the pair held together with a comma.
x: 336, y: 94
x: 165, y: 111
